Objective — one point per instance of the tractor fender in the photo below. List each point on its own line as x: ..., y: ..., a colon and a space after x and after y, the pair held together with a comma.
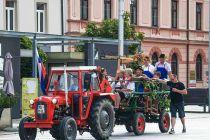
x: 111, y: 96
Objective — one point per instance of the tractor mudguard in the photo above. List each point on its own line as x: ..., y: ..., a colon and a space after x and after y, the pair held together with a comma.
x: 110, y: 95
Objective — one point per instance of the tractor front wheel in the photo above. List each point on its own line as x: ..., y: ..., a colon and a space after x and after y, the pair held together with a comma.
x: 102, y: 119
x: 55, y: 132
x: 26, y: 133
x: 138, y: 124
x: 68, y: 129
x: 129, y: 128
x: 164, y: 122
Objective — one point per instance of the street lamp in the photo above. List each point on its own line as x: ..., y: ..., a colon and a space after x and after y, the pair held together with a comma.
x: 121, y: 28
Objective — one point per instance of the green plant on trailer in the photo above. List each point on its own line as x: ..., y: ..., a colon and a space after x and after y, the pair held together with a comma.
x: 156, y: 91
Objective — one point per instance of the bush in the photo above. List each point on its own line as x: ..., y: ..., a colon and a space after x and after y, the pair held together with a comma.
x: 7, y: 101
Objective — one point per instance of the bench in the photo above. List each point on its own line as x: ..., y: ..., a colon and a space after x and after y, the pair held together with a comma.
x: 197, y: 96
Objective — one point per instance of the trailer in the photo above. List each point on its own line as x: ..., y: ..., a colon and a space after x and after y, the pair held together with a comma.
x: 144, y: 107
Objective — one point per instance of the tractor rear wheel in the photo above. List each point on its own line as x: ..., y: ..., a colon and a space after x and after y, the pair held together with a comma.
x: 129, y: 128
x: 102, y: 119
x: 55, y: 132
x: 26, y: 133
x: 164, y: 122
x: 68, y: 129
x: 138, y: 124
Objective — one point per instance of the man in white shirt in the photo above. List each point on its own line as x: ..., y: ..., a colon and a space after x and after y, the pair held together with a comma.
x: 148, y: 68
x: 163, y: 67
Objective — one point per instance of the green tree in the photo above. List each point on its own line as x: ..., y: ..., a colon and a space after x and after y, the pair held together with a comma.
x: 26, y: 62
x: 109, y: 29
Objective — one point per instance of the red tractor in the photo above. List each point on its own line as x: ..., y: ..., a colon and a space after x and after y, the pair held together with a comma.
x: 74, y: 102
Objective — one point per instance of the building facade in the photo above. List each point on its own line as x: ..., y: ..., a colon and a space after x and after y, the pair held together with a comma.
x: 41, y: 16
x: 178, y: 28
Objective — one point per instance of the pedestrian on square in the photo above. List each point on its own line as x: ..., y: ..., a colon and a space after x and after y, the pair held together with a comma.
x: 148, y: 67
x: 177, y: 90
x: 163, y: 67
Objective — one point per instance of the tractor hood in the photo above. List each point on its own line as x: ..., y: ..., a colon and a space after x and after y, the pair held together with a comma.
x: 60, y: 100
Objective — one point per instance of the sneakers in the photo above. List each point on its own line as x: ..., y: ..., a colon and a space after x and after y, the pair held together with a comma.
x: 184, y: 130
x: 172, y: 131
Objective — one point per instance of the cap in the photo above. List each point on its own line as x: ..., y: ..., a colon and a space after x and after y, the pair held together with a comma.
x: 162, y: 56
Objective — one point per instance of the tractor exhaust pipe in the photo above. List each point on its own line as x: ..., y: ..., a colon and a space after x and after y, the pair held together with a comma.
x: 65, y: 86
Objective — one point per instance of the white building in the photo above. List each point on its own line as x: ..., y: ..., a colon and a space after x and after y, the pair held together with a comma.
x: 41, y: 16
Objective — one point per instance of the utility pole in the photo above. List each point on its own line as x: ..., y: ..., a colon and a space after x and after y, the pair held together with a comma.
x: 209, y: 59
x: 121, y: 28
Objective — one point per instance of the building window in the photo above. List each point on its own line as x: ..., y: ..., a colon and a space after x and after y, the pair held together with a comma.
x: 174, y: 64
x: 84, y: 9
x: 154, y: 12
x: 199, y: 68
x: 198, y: 16
x: 41, y: 17
x: 133, y: 11
x: 107, y: 9
x: 10, y: 15
x: 154, y: 58
x: 174, y: 10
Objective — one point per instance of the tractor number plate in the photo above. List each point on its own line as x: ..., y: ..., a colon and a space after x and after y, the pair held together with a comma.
x: 40, y: 109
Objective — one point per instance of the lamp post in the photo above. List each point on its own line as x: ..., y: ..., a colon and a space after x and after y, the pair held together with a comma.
x: 209, y: 59
x: 121, y: 28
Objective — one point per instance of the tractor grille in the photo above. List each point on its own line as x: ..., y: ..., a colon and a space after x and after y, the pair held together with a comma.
x: 41, y: 110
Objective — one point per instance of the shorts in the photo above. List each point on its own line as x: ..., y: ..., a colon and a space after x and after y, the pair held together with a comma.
x: 177, y: 107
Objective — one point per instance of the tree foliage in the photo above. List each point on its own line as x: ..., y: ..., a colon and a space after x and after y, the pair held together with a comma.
x: 26, y: 62
x: 109, y: 29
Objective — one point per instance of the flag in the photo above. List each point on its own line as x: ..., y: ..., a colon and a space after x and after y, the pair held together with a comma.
x: 41, y: 71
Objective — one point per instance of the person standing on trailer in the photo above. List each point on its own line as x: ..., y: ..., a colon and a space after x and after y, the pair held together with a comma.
x: 163, y: 67
x: 148, y: 67
x: 139, y: 76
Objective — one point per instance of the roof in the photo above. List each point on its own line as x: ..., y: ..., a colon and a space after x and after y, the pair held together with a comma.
x: 75, y: 68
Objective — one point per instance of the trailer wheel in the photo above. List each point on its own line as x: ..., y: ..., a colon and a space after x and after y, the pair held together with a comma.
x: 55, y: 132
x: 26, y: 133
x: 102, y: 119
x: 164, y: 122
x: 68, y: 129
x: 129, y: 128
x: 138, y: 124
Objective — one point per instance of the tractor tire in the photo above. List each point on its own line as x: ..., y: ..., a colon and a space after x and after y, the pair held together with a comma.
x: 164, y: 122
x: 55, y: 132
x: 129, y: 128
x: 26, y: 133
x: 102, y: 119
x: 138, y: 124
x: 68, y: 129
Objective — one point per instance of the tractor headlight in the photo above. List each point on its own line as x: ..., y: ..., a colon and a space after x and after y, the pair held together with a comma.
x: 31, y: 102
x: 54, y: 101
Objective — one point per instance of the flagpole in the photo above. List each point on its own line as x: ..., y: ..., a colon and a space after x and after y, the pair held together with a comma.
x: 34, y: 63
